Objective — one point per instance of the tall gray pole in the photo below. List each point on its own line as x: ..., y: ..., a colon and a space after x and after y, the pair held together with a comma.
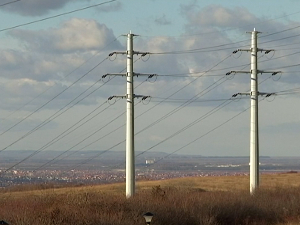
x: 130, y: 158
x: 254, y: 142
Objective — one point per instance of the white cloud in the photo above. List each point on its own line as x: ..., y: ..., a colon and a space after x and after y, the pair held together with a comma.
x: 162, y: 20
x: 73, y: 35
x: 42, y: 7
x: 35, y: 7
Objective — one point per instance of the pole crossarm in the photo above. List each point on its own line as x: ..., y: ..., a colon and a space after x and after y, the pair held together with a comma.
x: 235, y: 95
x: 116, y: 96
x: 236, y: 71
x: 267, y: 51
x: 266, y: 94
x: 150, y: 75
x: 258, y: 71
x: 249, y: 93
x: 125, y: 53
x: 114, y: 74
x: 141, y: 53
x: 144, y: 97
x: 117, y: 53
x: 272, y: 72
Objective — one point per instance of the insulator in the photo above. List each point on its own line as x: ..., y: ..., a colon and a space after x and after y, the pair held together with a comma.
x: 235, y: 51
x: 111, y: 54
x: 228, y: 73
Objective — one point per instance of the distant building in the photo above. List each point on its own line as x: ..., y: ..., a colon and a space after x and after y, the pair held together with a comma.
x: 150, y: 161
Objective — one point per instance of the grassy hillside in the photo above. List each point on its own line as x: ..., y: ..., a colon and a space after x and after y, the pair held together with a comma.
x: 201, y: 201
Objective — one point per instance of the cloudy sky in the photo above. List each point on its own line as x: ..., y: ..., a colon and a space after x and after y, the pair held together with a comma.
x: 54, y: 54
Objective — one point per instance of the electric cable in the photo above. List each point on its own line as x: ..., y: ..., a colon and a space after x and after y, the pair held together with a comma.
x: 40, y: 94
x: 191, y: 124
x: 229, y: 29
x: 59, y: 136
x: 55, y: 16
x: 210, y: 131
x: 8, y: 3
x: 33, y: 130
x: 163, y: 116
x: 101, y: 128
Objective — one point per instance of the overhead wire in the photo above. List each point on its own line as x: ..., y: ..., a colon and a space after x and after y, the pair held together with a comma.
x: 210, y: 131
x: 43, y: 92
x: 54, y: 140
x: 225, y: 30
x: 193, y: 123
x: 167, y: 115
x: 55, y: 16
x: 41, y: 125
x: 220, y: 106
x: 218, y: 47
x: 8, y: 3
x: 67, y: 131
x: 89, y: 136
x: 84, y: 139
x: 205, y: 134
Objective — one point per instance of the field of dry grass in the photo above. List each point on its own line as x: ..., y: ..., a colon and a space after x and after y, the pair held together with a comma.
x: 202, y: 201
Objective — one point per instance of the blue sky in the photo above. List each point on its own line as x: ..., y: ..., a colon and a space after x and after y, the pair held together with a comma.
x: 48, y: 66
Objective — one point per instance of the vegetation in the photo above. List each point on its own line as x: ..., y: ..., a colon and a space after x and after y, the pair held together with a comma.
x: 188, y: 201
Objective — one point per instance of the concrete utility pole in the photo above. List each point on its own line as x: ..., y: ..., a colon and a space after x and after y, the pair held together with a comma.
x: 130, y: 155
x: 254, y: 141
x: 254, y: 133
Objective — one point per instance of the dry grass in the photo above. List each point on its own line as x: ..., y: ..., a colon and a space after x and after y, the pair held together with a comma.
x: 202, y: 201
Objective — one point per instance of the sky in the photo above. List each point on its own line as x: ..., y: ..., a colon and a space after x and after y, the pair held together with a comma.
x: 53, y: 55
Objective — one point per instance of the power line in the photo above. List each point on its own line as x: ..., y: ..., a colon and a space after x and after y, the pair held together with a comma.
x: 59, y: 136
x: 229, y: 29
x: 218, y: 47
x: 36, y: 128
x: 205, y: 116
x: 64, y: 133
x: 162, y: 118
x: 198, y: 138
x: 58, y: 15
x: 9, y: 3
x: 153, y: 99
x: 167, y: 115
x: 40, y: 94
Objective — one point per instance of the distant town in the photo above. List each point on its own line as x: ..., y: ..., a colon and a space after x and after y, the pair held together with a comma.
x: 110, y: 168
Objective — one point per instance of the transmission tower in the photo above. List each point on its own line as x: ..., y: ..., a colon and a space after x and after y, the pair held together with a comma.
x: 254, y: 93
x: 130, y: 154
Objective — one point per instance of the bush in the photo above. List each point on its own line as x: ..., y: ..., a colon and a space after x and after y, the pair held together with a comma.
x: 170, y: 205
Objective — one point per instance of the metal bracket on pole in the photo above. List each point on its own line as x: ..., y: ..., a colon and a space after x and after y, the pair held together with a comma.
x: 150, y: 75
x: 267, y: 51
x: 125, y: 53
